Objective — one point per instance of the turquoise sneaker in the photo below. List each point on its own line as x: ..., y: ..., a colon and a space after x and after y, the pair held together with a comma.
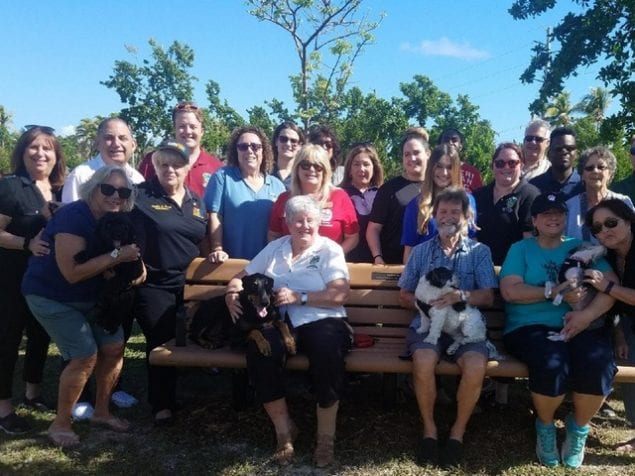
x: 574, y: 443
x: 546, y: 449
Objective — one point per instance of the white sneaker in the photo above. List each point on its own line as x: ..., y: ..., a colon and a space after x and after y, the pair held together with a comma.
x: 123, y: 399
x: 82, y: 411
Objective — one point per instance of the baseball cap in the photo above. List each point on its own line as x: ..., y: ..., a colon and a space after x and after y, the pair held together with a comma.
x: 548, y: 201
x: 177, y: 147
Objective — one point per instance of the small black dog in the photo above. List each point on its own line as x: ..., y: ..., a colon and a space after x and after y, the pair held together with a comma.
x: 116, y: 297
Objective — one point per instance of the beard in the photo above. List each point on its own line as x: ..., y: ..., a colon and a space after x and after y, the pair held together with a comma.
x: 446, y: 230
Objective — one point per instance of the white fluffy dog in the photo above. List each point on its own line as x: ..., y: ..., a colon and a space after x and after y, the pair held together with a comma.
x: 461, y: 321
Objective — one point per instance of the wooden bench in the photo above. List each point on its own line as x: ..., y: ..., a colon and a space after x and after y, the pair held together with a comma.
x: 373, y: 309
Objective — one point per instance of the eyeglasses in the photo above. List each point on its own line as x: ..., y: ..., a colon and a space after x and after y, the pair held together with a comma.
x: 591, y: 168
x: 501, y: 164
x: 536, y: 139
x: 45, y: 129
x: 108, y: 190
x: 243, y: 146
x: 285, y: 139
x: 306, y: 165
x: 609, y: 223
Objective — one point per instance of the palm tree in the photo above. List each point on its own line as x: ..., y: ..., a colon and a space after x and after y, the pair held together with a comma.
x: 5, y: 120
x: 85, y: 135
x: 595, y: 104
x: 559, y: 111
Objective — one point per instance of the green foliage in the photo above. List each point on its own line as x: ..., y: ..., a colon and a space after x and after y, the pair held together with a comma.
x: 150, y: 89
x: 7, y: 141
x: 220, y: 120
x: 604, y: 30
x: 328, y: 36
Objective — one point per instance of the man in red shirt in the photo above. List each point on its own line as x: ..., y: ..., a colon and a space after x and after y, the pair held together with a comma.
x: 471, y: 175
x: 187, y: 118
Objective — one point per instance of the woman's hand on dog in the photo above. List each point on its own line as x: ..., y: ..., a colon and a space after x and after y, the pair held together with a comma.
x: 574, y: 323
x: 128, y: 253
x: 38, y: 246
x: 447, y: 299
x: 596, y: 279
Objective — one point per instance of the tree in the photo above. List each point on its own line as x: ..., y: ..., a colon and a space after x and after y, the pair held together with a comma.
x: 85, y: 135
x: 221, y: 120
x: 151, y: 89
x: 328, y: 36
x: 595, y: 104
x: 604, y: 30
x: 7, y: 140
x: 560, y: 110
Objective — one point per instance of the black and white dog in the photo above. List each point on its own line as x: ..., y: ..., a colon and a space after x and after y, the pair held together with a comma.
x: 116, y: 297
x: 461, y: 321
x: 572, y: 272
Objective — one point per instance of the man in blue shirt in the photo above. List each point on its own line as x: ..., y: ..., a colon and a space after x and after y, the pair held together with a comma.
x: 472, y: 263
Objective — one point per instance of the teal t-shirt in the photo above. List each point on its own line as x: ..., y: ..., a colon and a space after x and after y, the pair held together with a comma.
x: 537, y: 265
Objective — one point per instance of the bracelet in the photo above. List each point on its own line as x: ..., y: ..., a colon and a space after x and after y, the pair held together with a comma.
x: 377, y: 256
x: 548, y: 290
x: 217, y: 248
x: 231, y: 292
x: 25, y: 245
x: 609, y: 287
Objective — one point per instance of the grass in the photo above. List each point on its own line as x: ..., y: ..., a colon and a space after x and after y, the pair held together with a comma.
x: 211, y: 438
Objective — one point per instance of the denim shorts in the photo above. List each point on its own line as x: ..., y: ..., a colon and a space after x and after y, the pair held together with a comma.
x: 415, y: 341
x: 71, y: 326
x: 584, y: 365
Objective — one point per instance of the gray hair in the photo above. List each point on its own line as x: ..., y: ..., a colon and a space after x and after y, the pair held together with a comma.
x: 601, y: 152
x: 87, y: 190
x: 539, y: 123
x: 301, y: 204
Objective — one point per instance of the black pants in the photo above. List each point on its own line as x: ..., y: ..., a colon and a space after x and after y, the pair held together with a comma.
x: 155, y: 310
x: 15, y: 317
x: 325, y: 343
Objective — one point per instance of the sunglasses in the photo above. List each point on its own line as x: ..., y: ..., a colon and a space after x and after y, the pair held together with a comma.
x: 186, y: 106
x: 285, y: 139
x: 305, y: 165
x: 244, y: 146
x: 328, y: 145
x: 45, y: 129
x: 501, y: 164
x: 609, y: 223
x: 108, y: 190
x: 536, y: 139
x: 591, y: 168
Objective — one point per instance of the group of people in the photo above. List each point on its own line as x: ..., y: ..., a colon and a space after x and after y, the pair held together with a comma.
x: 298, y: 214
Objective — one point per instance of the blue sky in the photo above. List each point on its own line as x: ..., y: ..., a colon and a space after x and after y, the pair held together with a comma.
x: 55, y: 53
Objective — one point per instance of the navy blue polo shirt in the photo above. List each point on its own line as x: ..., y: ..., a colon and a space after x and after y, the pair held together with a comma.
x: 569, y: 188
x: 168, y: 234
x: 20, y: 200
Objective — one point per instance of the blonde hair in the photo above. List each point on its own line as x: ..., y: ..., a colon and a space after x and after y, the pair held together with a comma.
x: 314, y: 154
x: 429, y: 190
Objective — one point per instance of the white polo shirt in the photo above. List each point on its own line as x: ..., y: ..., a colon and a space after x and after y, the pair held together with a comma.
x: 311, y: 271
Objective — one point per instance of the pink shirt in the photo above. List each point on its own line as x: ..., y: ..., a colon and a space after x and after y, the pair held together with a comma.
x: 338, y: 217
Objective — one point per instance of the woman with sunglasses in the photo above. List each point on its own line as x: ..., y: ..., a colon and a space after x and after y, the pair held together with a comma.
x: 62, y: 293
x: 26, y: 200
x: 287, y: 140
x: 312, y: 176
x: 363, y: 175
x: 443, y: 171
x: 504, y: 206
x: 170, y: 224
x: 240, y: 196
x: 612, y: 223
x: 565, y: 351
x: 597, y: 167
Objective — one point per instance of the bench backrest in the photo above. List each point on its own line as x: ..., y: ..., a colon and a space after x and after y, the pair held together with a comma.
x: 373, y: 305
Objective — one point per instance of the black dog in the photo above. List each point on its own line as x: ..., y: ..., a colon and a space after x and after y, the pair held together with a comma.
x: 116, y: 297
x: 209, y: 324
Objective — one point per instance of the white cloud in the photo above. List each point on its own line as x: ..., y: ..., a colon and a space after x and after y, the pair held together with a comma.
x: 67, y: 131
x: 446, y: 47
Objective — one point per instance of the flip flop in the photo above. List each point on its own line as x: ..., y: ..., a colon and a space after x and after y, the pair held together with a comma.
x: 112, y: 423
x: 63, y: 438
x: 627, y: 447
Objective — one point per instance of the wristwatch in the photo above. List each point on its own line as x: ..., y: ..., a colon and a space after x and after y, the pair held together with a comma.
x: 304, y: 298
x: 548, y: 290
x: 115, y: 253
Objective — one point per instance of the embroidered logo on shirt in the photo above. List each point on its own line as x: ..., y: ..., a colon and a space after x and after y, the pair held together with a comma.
x: 508, y: 207
x: 196, y: 211
x: 313, y: 262
x: 160, y: 207
x: 326, y: 215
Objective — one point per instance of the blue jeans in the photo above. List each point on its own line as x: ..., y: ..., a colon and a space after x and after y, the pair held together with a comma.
x: 628, y: 389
